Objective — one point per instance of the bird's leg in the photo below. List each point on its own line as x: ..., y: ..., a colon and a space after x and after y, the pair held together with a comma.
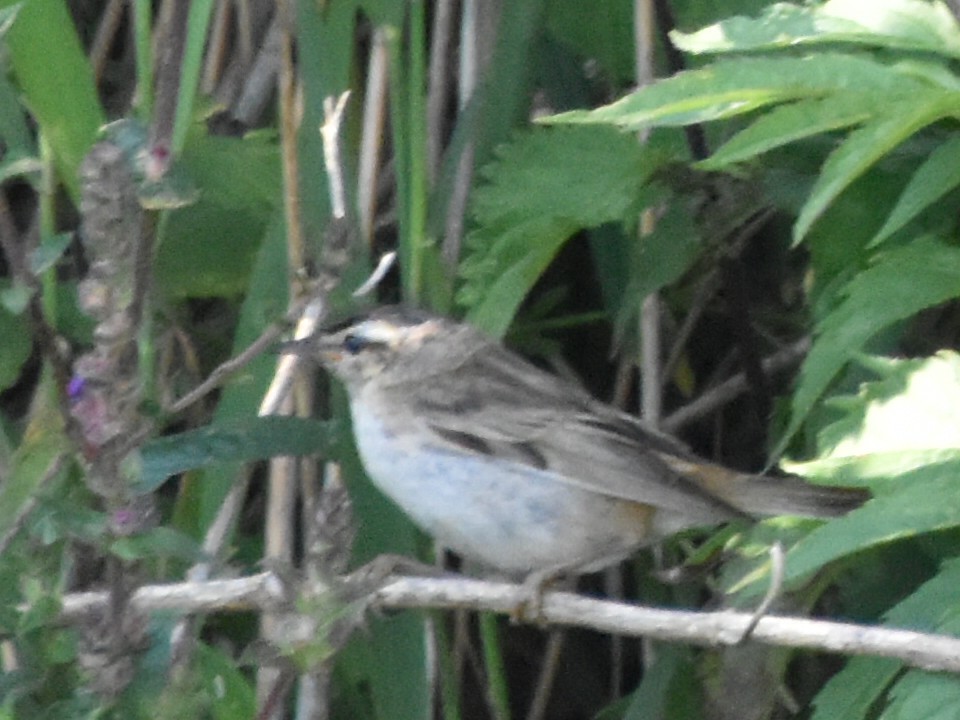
x: 530, y: 607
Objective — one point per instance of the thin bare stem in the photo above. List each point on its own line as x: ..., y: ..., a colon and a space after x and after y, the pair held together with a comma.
x: 333, y: 111
x: 438, y: 88
x: 726, y: 391
x: 371, y: 139
x: 228, y: 367
x: 106, y: 32
x: 289, y: 128
x: 778, y: 568
x: 548, y: 673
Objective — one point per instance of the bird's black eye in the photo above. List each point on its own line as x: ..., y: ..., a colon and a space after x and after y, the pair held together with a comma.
x: 354, y: 344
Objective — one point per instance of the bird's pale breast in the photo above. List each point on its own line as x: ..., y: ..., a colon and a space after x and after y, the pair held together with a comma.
x: 509, y: 516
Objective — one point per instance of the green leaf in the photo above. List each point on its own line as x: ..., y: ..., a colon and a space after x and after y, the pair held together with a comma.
x: 17, y: 342
x: 864, y: 147
x: 734, y: 87
x: 669, y: 689
x: 254, y: 439
x: 522, y: 255
x: 198, y: 21
x: 896, y: 24
x: 529, y: 208
x: 229, y: 693
x: 42, y: 448
x: 157, y: 542
x: 789, y: 123
x: 914, y: 409
x: 15, y: 165
x: 50, y: 250
x: 13, y: 124
x: 898, y: 284
x: 905, y: 430
x: 933, y: 606
x: 607, y: 36
x: 918, y: 501
x: 924, y: 696
x: 208, y: 248
x: 937, y: 176
x: 853, y: 691
x: 57, y: 83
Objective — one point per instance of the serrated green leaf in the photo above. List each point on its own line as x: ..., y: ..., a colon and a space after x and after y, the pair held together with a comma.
x: 254, y: 439
x: 853, y: 691
x: 864, y: 147
x: 789, y: 123
x: 525, y: 252
x: 898, y: 284
x: 896, y: 24
x: 530, y: 207
x: 937, y: 176
x: 733, y: 87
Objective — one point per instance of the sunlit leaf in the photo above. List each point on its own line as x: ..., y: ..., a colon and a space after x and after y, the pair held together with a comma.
x: 897, y: 24
x: 734, y: 87
x: 898, y: 284
x: 789, y: 123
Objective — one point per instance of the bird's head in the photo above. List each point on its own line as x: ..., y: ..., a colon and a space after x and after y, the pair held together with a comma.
x: 392, y: 344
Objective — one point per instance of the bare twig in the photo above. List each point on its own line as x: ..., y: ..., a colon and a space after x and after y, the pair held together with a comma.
x: 729, y: 389
x: 438, y: 86
x: 259, y: 79
x: 333, y: 111
x: 382, y: 268
x: 106, y: 33
x: 265, y: 591
x: 704, y: 293
x: 651, y: 398
x: 778, y: 567
x: 290, y: 117
x: 228, y: 367
x: 548, y: 673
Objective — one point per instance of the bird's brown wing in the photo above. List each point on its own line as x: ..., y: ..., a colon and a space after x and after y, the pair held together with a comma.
x: 497, y: 404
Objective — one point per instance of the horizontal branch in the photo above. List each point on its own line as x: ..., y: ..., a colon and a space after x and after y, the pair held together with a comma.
x: 266, y: 591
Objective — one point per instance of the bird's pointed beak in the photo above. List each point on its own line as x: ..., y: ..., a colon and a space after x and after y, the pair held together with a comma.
x: 325, y: 349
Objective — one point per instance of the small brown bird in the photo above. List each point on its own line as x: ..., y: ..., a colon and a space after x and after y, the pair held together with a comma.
x: 513, y: 467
